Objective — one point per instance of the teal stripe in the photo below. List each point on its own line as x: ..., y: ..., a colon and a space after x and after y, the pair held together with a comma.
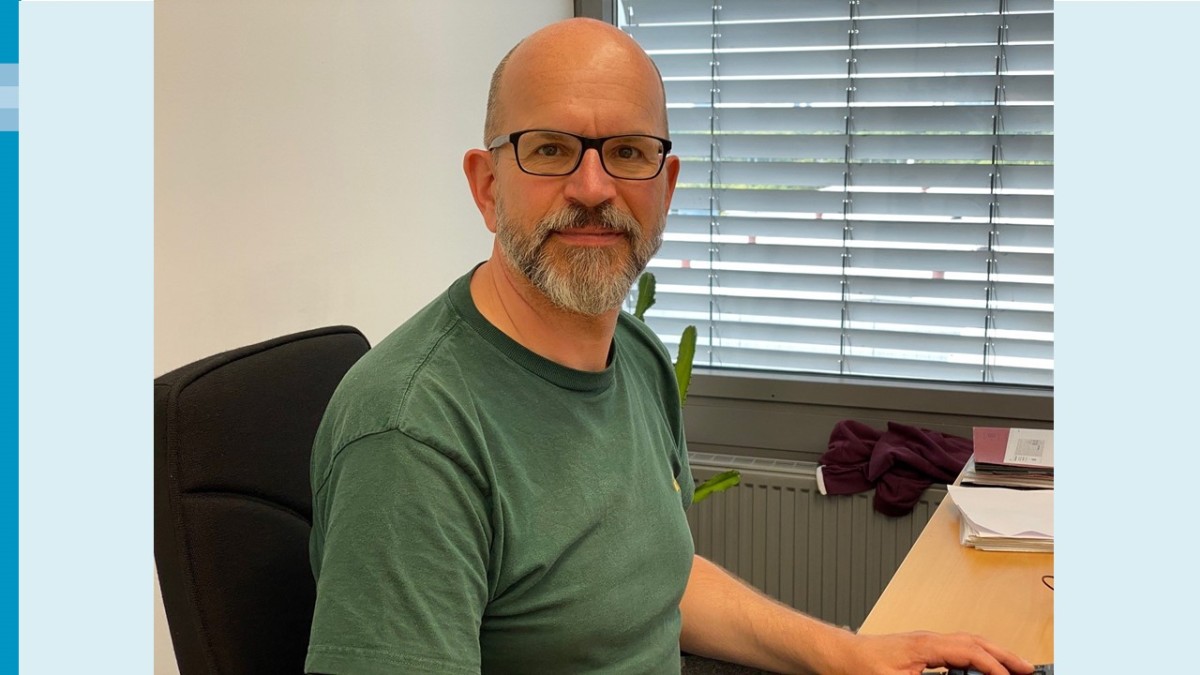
x: 8, y: 32
x: 9, y: 369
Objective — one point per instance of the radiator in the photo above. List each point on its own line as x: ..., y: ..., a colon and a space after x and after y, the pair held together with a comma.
x: 830, y: 557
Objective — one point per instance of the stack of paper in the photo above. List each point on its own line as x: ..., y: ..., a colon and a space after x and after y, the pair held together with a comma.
x: 1003, y: 519
x: 1011, y: 458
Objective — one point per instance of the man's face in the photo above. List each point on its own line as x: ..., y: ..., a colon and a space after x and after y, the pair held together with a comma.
x: 583, y: 238
x: 589, y: 278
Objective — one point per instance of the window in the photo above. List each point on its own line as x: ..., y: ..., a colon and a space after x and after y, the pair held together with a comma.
x: 866, y: 185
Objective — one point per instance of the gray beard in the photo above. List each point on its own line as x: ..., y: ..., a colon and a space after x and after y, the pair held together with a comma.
x: 583, y: 280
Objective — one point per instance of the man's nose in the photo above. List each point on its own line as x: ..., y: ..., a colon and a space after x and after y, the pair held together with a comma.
x: 590, y: 185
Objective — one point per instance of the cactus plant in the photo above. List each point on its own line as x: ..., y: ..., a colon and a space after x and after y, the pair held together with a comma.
x: 683, y: 376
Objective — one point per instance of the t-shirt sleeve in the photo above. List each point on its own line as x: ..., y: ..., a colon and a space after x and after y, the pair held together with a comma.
x: 401, y: 551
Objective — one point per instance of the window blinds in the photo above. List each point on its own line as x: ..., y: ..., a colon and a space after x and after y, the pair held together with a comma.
x: 866, y: 185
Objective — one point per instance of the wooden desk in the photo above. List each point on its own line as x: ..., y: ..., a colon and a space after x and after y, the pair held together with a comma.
x: 946, y: 587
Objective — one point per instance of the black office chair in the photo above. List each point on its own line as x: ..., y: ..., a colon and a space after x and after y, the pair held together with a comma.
x: 232, y: 504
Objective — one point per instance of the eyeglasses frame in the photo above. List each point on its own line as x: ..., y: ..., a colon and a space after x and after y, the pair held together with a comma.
x: 588, y: 143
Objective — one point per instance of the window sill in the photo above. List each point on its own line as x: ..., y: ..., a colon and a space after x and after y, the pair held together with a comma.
x: 790, y: 416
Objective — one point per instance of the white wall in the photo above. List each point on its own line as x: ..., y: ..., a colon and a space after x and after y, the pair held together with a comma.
x: 307, y: 166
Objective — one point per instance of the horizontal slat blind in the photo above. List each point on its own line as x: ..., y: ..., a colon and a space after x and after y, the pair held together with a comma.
x: 866, y: 185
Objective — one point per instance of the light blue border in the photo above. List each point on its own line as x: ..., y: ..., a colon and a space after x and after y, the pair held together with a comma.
x: 8, y: 375
x: 1125, y: 350
x: 86, y: 280
x: 1126, y: 364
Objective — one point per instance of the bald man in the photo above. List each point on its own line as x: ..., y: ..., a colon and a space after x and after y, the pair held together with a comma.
x: 499, y: 486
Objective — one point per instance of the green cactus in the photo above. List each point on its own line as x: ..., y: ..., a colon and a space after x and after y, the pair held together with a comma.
x: 645, y: 296
x: 683, y: 362
x: 718, y: 483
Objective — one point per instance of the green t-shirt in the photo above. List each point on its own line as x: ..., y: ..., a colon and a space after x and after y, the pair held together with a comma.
x: 478, y: 508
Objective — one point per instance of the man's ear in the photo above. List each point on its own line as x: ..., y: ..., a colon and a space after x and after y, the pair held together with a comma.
x: 672, y: 170
x: 481, y: 177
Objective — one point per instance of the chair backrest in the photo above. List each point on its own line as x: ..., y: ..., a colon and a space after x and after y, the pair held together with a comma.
x: 233, y: 437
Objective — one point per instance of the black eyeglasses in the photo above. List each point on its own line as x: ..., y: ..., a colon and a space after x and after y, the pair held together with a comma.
x: 543, y: 152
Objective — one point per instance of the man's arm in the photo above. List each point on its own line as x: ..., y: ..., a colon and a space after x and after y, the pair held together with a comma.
x: 402, y: 579
x: 723, y: 618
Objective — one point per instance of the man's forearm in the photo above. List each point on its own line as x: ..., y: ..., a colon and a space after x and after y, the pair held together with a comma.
x: 723, y: 618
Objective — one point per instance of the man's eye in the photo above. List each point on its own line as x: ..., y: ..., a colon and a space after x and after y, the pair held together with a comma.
x: 628, y: 152
x: 549, y: 150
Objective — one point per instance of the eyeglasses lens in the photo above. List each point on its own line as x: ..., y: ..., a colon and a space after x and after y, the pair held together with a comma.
x: 548, y: 153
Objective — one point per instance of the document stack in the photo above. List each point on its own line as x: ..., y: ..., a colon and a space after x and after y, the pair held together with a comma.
x: 1004, y: 519
x: 1018, y: 458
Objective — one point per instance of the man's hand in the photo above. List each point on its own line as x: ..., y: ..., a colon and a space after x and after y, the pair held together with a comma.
x: 912, y: 653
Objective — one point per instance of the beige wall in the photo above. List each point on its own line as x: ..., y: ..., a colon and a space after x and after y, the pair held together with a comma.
x: 307, y: 165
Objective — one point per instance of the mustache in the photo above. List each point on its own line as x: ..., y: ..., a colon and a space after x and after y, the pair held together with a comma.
x: 574, y: 216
